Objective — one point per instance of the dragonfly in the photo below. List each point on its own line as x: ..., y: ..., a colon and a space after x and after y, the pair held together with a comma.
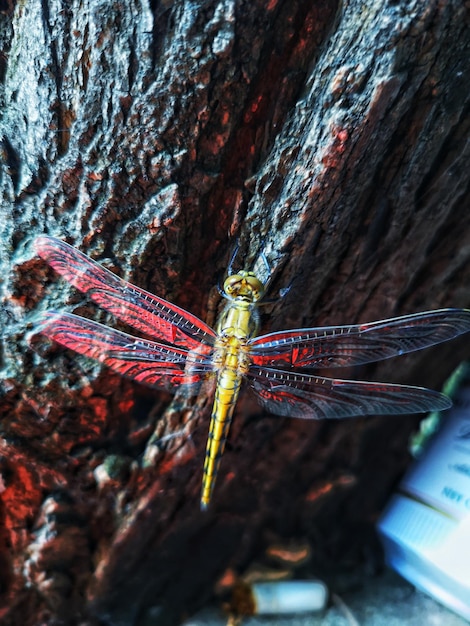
x: 183, y: 351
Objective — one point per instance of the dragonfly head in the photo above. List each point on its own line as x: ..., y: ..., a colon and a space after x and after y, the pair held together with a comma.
x: 244, y: 286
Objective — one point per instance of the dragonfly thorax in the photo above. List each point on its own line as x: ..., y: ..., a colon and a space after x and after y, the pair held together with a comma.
x: 238, y: 319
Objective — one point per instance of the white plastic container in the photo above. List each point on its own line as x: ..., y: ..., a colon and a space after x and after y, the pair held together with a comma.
x: 425, y: 529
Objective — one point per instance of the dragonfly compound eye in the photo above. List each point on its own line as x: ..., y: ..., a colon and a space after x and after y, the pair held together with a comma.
x: 232, y: 284
x: 255, y: 285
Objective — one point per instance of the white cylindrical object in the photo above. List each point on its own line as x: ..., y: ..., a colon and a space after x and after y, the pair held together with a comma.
x: 293, y: 596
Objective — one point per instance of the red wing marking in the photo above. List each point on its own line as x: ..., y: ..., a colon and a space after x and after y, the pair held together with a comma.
x: 134, y: 306
x: 337, y: 346
x: 145, y: 361
x: 300, y: 395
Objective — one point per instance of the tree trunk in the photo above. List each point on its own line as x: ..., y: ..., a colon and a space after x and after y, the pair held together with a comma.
x: 329, y: 139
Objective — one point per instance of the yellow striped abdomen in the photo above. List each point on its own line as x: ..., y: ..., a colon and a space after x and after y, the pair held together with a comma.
x: 226, y: 394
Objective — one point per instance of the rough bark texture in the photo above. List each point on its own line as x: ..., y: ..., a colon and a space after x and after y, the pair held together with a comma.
x: 333, y: 139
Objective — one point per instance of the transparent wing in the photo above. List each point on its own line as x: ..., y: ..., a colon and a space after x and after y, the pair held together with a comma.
x: 312, y: 397
x: 337, y: 346
x: 145, y: 361
x: 134, y: 306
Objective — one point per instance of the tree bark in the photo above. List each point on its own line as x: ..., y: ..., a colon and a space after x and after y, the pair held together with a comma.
x: 330, y: 140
